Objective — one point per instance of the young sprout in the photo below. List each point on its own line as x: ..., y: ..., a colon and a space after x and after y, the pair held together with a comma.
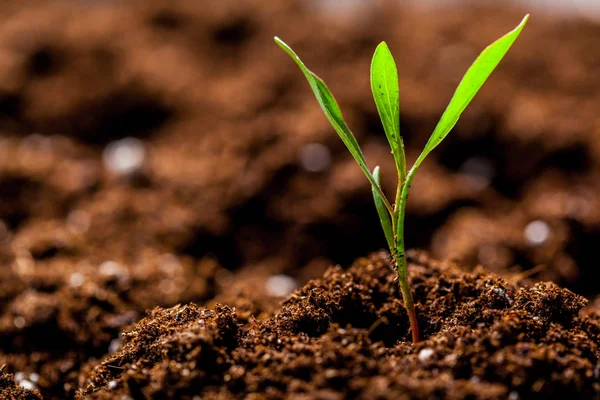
x: 384, y: 85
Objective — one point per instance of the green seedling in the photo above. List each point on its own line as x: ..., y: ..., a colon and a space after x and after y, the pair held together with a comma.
x: 384, y: 85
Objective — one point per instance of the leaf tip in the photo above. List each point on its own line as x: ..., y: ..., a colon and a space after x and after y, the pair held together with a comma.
x: 280, y: 43
x: 382, y: 47
x: 523, y: 22
x: 376, y: 176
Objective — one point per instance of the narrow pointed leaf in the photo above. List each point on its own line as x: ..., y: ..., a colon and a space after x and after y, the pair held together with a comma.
x: 333, y: 112
x: 474, y: 78
x: 384, y: 216
x: 334, y: 115
x: 386, y: 93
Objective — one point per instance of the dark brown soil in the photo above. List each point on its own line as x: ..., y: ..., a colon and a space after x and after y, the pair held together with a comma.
x: 9, y: 390
x: 345, y: 336
x: 221, y: 203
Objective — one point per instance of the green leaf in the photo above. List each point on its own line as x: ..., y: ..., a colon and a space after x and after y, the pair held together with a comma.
x: 384, y: 216
x: 384, y: 85
x: 474, y: 78
x: 333, y: 112
x: 334, y: 115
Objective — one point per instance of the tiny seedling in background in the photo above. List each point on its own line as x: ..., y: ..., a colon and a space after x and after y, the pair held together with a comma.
x: 384, y: 84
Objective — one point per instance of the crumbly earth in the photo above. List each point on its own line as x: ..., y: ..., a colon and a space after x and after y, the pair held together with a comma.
x: 222, y: 199
x: 345, y: 335
x: 10, y: 390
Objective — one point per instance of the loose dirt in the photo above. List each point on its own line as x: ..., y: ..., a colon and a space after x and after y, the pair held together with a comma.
x: 345, y: 335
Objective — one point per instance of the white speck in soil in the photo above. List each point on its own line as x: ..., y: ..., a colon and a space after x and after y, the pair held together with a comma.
x: 19, y: 376
x: 33, y: 377
x: 111, y: 268
x: 114, y: 346
x: 450, y: 359
x: 27, y: 385
x: 112, y: 385
x: 280, y: 285
x: 78, y: 221
x: 513, y: 396
x: 315, y: 157
x: 330, y: 373
x: 425, y: 354
x: 478, y: 171
x: 19, y: 322
x: 124, y: 156
x: 537, y: 232
x: 502, y: 293
x: 76, y: 279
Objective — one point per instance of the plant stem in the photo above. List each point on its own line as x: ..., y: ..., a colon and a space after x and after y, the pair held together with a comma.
x: 400, y: 259
x: 410, y: 307
x: 401, y: 198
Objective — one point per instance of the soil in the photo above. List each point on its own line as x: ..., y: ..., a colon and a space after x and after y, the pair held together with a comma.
x: 345, y: 335
x: 10, y: 390
x: 223, y: 200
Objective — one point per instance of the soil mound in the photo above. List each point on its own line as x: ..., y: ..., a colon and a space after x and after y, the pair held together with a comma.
x: 345, y: 335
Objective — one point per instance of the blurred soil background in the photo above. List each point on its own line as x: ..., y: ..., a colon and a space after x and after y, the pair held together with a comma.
x: 155, y: 153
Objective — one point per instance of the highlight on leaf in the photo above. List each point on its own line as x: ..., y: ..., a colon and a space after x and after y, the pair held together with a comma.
x: 334, y: 115
x: 386, y: 93
x: 470, y: 84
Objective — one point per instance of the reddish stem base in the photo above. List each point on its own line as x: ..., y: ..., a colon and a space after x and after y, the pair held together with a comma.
x: 414, y: 324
